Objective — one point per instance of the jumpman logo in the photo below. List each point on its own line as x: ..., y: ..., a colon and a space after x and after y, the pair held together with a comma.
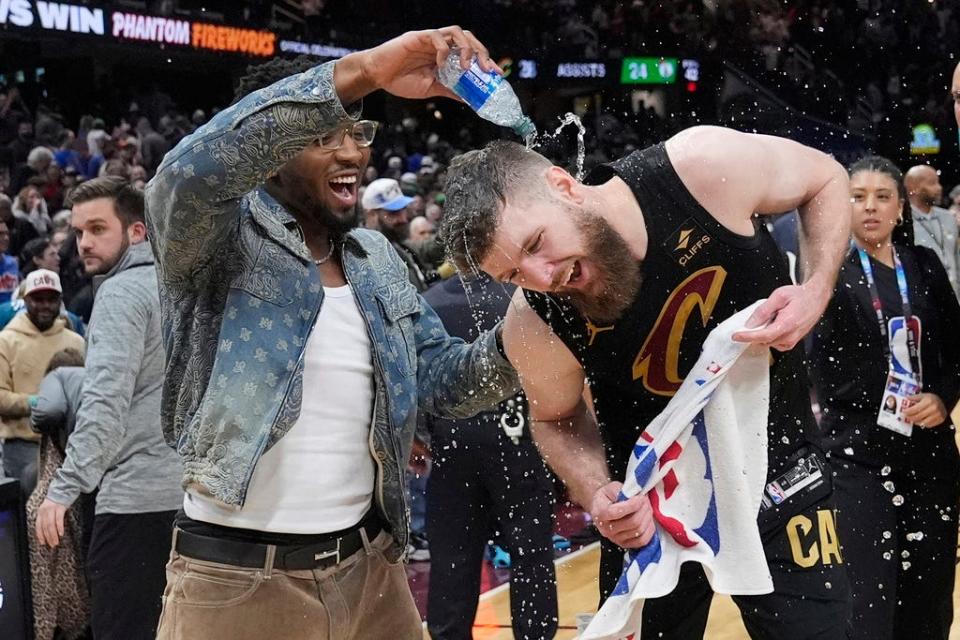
x: 595, y: 330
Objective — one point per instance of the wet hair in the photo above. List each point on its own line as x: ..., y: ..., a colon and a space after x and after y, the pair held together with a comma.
x: 478, y: 184
x: 31, y: 250
x: 65, y: 358
x: 903, y: 232
x: 263, y: 75
x: 127, y: 199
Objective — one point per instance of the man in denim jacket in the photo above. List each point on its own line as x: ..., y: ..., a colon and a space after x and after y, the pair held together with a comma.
x: 297, y: 354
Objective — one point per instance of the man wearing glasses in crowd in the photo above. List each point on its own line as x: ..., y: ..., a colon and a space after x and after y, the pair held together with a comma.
x: 297, y: 353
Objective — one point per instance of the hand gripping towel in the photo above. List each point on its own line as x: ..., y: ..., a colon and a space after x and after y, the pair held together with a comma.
x: 703, y: 463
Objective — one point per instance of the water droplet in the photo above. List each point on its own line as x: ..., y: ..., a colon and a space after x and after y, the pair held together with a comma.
x: 897, y: 500
x: 889, y: 486
x: 885, y: 471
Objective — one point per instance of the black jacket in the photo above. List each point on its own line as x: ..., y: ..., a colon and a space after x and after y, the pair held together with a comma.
x: 849, y: 368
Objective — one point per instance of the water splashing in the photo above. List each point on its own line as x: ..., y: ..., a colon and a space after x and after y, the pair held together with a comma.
x: 572, y: 118
x: 568, y: 118
x: 474, y: 305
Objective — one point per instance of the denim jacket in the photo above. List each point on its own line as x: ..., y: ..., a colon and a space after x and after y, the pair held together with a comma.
x: 240, y: 293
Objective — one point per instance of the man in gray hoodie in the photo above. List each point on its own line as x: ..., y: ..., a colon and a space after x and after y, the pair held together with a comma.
x: 117, y: 443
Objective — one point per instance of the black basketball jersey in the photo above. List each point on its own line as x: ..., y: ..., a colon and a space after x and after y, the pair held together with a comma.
x: 696, y: 274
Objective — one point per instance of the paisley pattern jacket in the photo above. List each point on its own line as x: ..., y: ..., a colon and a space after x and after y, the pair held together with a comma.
x: 240, y: 293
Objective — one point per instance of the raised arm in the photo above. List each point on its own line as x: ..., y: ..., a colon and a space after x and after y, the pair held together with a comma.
x: 190, y: 199
x: 736, y: 175
x: 564, y: 430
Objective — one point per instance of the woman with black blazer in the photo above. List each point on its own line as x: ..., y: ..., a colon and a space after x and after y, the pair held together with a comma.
x: 885, y: 362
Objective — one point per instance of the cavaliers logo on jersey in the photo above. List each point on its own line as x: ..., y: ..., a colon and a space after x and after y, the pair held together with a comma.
x: 658, y: 362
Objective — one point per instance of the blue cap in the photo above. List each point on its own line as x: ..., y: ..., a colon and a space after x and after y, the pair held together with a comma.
x: 384, y: 193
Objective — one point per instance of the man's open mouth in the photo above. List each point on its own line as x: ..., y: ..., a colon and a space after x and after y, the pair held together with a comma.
x: 345, y: 188
x: 571, y: 276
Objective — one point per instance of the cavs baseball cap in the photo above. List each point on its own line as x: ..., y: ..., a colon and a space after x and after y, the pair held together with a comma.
x: 384, y: 193
x: 41, y: 280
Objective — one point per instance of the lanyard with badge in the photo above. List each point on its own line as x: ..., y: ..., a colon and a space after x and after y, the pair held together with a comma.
x: 900, y: 385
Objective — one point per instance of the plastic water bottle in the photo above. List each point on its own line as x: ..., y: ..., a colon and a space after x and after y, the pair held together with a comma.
x: 487, y: 93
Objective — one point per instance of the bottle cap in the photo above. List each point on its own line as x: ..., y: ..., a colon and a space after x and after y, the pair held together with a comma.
x: 525, y: 129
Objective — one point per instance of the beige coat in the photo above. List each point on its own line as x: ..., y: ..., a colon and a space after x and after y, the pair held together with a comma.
x: 25, y: 353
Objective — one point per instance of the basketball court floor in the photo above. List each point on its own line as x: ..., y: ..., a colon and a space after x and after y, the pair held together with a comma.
x: 577, y: 593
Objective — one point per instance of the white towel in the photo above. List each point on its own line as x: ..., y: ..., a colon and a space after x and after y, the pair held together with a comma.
x: 703, y: 463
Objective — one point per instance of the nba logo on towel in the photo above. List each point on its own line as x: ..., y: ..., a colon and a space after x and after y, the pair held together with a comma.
x: 692, y: 501
x: 673, y: 502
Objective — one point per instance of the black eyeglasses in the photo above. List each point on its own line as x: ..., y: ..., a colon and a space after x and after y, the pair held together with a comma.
x: 362, y: 132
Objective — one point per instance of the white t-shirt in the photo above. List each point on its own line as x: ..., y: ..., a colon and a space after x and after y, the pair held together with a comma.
x: 320, y: 476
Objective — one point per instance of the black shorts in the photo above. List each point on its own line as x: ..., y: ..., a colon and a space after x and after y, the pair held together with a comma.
x: 811, y: 597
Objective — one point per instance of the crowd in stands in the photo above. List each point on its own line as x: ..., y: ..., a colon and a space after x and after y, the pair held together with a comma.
x: 43, y: 159
x: 875, y: 66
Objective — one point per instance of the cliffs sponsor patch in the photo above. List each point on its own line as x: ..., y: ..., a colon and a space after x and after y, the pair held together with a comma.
x: 687, y: 242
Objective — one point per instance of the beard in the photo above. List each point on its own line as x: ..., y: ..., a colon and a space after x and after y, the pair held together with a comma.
x: 311, y: 213
x: 396, y: 235
x: 318, y: 214
x: 932, y: 199
x: 107, y: 264
x: 618, y: 276
x: 42, y: 323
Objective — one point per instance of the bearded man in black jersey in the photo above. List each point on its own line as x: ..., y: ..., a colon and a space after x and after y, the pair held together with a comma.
x: 621, y: 279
